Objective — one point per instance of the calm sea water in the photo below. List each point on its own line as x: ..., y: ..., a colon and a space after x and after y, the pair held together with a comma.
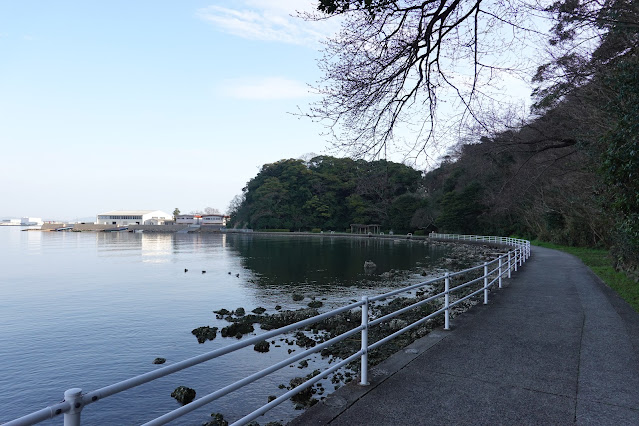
x: 89, y: 309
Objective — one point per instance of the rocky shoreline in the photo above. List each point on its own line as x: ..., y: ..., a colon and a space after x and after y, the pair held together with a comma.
x: 240, y: 323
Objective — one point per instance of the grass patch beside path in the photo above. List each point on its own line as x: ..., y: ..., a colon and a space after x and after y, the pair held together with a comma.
x: 599, y: 261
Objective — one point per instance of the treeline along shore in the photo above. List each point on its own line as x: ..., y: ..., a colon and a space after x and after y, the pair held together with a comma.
x: 490, y: 186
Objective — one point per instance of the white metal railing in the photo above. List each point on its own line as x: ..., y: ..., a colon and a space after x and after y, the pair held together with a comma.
x: 491, y: 273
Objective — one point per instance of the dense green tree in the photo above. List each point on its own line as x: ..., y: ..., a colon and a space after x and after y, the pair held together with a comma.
x: 620, y: 165
x: 329, y: 193
x: 461, y: 210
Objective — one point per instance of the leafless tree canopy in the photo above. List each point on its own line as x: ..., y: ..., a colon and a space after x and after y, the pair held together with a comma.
x: 414, y: 68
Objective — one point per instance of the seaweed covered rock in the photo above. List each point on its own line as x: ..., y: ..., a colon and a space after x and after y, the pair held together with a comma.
x: 285, y: 318
x: 262, y: 346
x: 159, y: 360
x: 183, y: 395
x: 217, y: 419
x: 315, y: 304
x: 240, y: 312
x: 304, y: 341
x: 297, y: 297
x: 237, y: 329
x: 222, y: 313
x: 259, y: 310
x: 205, y: 333
x: 305, y: 397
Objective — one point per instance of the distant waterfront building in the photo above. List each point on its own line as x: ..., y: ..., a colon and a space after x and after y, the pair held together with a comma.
x: 133, y: 217
x: 29, y: 221
x: 202, y: 219
x: 188, y: 219
x: 214, y: 219
x: 13, y: 222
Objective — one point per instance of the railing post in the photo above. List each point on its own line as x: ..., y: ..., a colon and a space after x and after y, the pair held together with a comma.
x: 485, y: 283
x: 364, y: 359
x: 521, y: 257
x: 500, y: 271
x: 74, y: 398
x: 510, y: 267
x: 516, y: 260
x: 447, y: 302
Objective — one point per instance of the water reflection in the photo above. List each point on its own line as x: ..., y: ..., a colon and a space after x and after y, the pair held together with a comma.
x: 157, y: 247
x: 325, y: 261
x: 84, y: 295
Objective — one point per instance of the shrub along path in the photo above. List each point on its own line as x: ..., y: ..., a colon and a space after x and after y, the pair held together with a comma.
x: 554, y: 346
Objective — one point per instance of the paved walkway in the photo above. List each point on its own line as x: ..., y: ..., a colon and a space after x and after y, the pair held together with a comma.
x: 554, y: 346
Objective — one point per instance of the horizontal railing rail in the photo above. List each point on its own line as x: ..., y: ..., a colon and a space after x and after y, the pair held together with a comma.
x: 519, y: 251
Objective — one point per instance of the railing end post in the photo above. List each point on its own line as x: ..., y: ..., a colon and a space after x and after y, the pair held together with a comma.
x: 74, y: 397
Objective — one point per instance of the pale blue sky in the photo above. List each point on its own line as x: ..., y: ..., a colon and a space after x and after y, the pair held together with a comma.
x: 150, y: 104
x: 147, y: 104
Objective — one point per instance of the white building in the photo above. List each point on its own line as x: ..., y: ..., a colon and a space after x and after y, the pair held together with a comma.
x: 133, y: 217
x: 188, y: 219
x: 28, y: 221
x: 214, y: 219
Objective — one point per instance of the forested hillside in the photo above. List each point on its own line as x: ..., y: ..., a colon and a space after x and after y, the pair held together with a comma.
x: 330, y: 194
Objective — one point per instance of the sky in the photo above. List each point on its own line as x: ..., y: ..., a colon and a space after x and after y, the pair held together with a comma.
x: 141, y: 104
x: 150, y: 104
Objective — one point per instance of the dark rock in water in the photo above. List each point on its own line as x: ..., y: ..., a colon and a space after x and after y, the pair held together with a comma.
x: 304, y: 397
x: 259, y: 310
x: 315, y: 304
x: 369, y: 264
x: 304, y: 341
x: 159, y: 360
x: 222, y: 312
x: 240, y: 312
x: 205, y: 333
x: 217, y: 419
x: 262, y: 346
x: 298, y: 297
x: 183, y: 395
x: 271, y: 398
x: 278, y: 307
x: 237, y: 328
x: 273, y: 424
x: 284, y: 318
